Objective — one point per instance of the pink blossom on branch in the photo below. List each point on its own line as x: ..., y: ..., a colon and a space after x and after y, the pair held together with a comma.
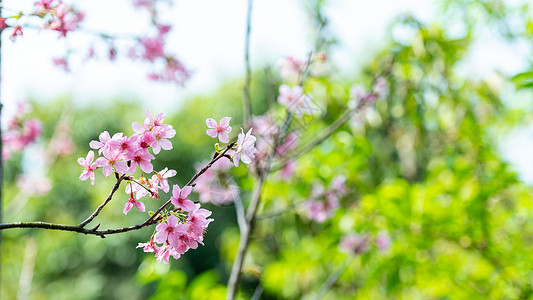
x: 162, y: 176
x: 219, y: 130
x: 161, y: 135
x: 355, y: 243
x: 295, y: 100
x: 114, y: 161
x: 153, y: 47
x: 148, y: 247
x: 17, y: 31
x: 245, y: 148
x: 179, y: 198
x: 141, y: 158
x: 291, y: 68
x: 88, y: 167
x: 132, y: 202
x: 169, y: 231
x: 65, y: 19
x: 61, y: 63
x: 103, y: 143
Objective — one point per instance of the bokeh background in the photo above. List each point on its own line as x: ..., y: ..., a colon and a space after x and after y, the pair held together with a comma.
x: 442, y: 163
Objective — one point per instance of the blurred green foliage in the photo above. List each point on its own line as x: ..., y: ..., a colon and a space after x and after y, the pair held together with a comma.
x: 423, y: 167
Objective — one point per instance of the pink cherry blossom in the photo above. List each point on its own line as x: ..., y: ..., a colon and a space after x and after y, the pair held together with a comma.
x: 221, y: 130
x: 169, y: 231
x: 161, y: 178
x: 291, y: 68
x: 115, y: 161
x: 174, y: 71
x: 383, y: 241
x: 245, y: 148
x: 161, y: 135
x: 295, y: 100
x: 289, y: 143
x: 179, y: 197
x: 88, y: 167
x: 104, y: 139
x: 44, y: 4
x: 17, y: 31
x: 153, y: 47
x: 380, y: 88
x: 288, y: 170
x: 141, y: 158
x: 3, y: 24
x: 61, y: 63
x: 157, y: 121
x: 198, y: 222
x: 355, y: 243
x: 66, y: 19
x: 357, y: 93
x: 132, y: 202
x: 148, y: 247
x: 124, y: 144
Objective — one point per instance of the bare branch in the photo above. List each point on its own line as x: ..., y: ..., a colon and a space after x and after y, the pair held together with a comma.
x: 239, y: 210
x: 102, y: 233
x: 245, y: 237
x: 99, y: 208
x: 247, y: 102
x: 333, y: 277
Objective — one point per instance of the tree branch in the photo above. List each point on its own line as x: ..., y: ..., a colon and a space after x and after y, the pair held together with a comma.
x: 245, y: 237
x: 102, y: 233
x: 99, y: 208
x: 247, y: 102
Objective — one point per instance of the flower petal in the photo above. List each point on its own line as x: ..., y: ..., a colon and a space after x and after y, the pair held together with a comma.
x: 186, y: 191
x: 211, y: 123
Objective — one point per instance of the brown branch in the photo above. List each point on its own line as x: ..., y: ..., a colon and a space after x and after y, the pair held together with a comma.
x: 103, y: 233
x: 99, y: 208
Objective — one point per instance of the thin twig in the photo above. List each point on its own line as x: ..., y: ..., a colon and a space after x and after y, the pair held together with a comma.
x: 28, y: 267
x: 318, y: 140
x: 333, y: 277
x: 239, y: 210
x: 247, y: 102
x: 257, y: 293
x: 99, y: 208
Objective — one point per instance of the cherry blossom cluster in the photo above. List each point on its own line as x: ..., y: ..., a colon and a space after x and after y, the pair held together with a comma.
x: 122, y: 154
x: 356, y: 243
x: 216, y: 186
x: 268, y: 137
x: 244, y: 149
x: 324, y: 202
x: 361, y: 99
x: 291, y: 69
x: 291, y: 93
x: 182, y: 229
x: 58, y: 16
x: 151, y: 49
x: 21, y: 131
